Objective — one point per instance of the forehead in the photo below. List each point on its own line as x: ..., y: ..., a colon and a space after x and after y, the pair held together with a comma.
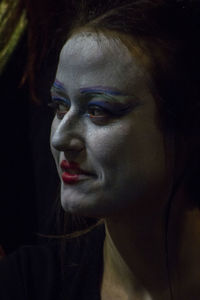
x: 98, y: 59
x: 91, y: 48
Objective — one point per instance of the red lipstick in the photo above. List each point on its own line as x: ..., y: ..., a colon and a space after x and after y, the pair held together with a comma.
x: 69, y: 178
x: 71, y: 172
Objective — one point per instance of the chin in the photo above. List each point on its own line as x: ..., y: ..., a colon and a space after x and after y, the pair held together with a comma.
x: 80, y: 207
x: 83, y: 201
x: 90, y: 206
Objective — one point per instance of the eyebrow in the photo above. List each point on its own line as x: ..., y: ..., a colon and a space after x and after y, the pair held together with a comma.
x: 101, y: 89
x: 57, y: 85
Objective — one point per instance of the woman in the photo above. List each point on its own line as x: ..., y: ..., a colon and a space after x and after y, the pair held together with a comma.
x: 125, y: 142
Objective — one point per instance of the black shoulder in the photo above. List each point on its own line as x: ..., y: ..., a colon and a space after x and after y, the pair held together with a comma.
x: 32, y: 272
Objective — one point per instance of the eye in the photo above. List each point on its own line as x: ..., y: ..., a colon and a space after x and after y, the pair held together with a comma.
x: 98, y: 114
x: 96, y: 111
x: 61, y: 107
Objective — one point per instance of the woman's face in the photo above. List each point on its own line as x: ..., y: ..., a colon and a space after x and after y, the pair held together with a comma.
x: 105, y: 136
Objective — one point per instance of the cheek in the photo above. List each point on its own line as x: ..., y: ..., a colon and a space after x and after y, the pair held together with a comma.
x: 129, y: 147
x: 54, y: 152
x: 107, y: 144
x: 147, y: 159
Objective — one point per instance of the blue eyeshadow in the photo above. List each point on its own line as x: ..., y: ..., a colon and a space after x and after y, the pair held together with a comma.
x: 99, y: 90
x: 113, y: 108
x: 60, y: 99
x: 58, y: 85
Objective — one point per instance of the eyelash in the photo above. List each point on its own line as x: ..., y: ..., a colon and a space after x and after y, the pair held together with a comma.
x: 104, y: 113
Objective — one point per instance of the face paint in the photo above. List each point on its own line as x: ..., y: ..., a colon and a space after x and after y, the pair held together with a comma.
x: 100, y: 90
x: 116, y: 106
x: 58, y: 85
x: 107, y: 126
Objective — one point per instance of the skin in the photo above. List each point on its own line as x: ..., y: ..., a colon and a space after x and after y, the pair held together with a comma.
x: 121, y: 152
x: 129, y: 181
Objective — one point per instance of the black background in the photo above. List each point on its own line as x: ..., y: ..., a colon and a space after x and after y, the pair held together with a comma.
x: 28, y: 175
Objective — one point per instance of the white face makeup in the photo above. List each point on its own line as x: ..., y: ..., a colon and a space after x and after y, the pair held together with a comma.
x: 107, y: 123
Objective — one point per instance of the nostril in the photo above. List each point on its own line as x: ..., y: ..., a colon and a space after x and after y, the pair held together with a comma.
x: 67, y: 143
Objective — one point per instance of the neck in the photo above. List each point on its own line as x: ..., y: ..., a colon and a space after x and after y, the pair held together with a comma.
x: 135, y: 261
x: 135, y: 255
x: 184, y: 248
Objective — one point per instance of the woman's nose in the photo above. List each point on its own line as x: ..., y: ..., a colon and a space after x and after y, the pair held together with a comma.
x: 68, y: 136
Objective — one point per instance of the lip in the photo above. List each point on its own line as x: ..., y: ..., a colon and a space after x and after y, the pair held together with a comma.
x: 72, y: 173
